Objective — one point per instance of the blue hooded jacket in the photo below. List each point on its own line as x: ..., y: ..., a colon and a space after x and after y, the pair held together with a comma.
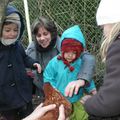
x: 59, y: 75
x: 73, y: 33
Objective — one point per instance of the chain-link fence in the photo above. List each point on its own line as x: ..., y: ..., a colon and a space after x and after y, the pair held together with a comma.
x: 66, y: 13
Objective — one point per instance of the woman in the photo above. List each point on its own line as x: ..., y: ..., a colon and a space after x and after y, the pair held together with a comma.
x: 105, y: 104
x: 45, y: 46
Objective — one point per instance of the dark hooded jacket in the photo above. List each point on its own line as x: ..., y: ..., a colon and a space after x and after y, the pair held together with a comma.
x: 105, y: 104
x: 15, y: 85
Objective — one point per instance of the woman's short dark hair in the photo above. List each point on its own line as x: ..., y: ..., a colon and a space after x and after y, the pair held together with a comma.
x: 48, y: 24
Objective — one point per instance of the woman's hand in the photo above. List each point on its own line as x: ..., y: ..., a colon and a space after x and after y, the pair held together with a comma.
x: 61, y: 113
x: 38, y: 66
x: 40, y: 111
x: 85, y: 98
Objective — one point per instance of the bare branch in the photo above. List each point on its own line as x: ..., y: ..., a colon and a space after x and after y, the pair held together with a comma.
x: 3, y: 5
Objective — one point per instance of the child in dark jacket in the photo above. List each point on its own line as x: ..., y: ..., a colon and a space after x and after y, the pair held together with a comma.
x: 15, y: 85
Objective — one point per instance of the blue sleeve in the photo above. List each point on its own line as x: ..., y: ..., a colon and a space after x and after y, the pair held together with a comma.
x: 91, y: 86
x: 49, y: 73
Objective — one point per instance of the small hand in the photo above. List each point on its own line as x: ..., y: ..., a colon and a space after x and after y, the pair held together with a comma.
x: 38, y: 66
x: 30, y: 73
x: 73, y: 87
x: 85, y: 98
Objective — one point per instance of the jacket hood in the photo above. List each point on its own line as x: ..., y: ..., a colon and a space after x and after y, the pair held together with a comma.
x: 11, y: 10
x: 73, y: 32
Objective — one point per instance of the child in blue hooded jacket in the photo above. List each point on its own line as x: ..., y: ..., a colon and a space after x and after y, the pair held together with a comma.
x: 15, y: 85
x: 62, y: 71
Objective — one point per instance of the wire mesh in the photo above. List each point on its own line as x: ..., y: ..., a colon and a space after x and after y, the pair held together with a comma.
x: 66, y: 13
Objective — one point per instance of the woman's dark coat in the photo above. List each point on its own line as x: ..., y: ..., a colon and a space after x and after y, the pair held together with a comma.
x: 106, y: 103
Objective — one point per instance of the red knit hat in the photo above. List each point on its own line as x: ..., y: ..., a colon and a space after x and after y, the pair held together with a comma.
x: 70, y: 45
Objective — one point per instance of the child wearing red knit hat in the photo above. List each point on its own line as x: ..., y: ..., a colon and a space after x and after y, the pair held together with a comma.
x: 61, y: 72
x: 71, y: 50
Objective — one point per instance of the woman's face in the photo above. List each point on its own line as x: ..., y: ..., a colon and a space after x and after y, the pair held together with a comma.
x: 43, y: 37
x: 106, y: 29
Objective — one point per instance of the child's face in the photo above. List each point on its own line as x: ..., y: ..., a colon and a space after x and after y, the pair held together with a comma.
x: 43, y: 37
x: 70, y: 56
x: 10, y: 31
